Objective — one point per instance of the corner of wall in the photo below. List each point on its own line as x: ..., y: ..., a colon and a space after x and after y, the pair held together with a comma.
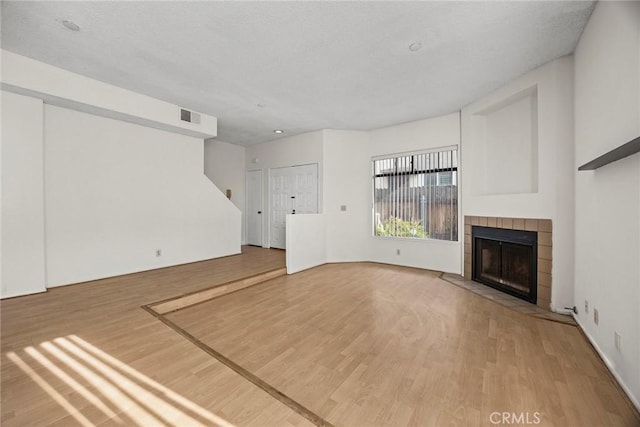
x: 607, y: 200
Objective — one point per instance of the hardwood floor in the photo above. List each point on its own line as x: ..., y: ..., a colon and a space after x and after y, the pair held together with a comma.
x: 367, y: 344
x: 106, y: 314
x: 356, y: 344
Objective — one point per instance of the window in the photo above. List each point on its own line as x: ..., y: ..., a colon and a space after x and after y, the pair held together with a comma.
x: 416, y: 195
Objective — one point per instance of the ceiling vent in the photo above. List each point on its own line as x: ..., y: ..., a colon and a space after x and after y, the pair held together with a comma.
x: 189, y: 116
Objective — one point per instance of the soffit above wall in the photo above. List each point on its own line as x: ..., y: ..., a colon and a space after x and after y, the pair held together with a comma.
x: 299, y: 66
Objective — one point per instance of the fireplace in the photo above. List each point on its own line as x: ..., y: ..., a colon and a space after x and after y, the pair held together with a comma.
x: 506, y: 260
x: 544, y: 229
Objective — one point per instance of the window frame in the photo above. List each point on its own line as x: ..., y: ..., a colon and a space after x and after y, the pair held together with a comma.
x: 413, y: 172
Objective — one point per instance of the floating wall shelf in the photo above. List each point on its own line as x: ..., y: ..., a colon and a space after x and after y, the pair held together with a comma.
x: 625, y: 150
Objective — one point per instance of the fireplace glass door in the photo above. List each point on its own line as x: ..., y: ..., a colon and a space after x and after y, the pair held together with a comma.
x: 508, y: 266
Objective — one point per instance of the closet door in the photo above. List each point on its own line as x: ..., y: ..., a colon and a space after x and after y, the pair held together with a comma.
x: 292, y: 190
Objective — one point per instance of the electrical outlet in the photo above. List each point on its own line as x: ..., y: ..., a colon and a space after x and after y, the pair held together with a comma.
x: 397, y: 251
x: 158, y: 252
x: 596, y: 319
x: 586, y: 306
x: 617, y: 341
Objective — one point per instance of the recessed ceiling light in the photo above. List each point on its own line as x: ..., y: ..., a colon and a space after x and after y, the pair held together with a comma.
x: 278, y: 131
x: 71, y: 25
x: 414, y: 47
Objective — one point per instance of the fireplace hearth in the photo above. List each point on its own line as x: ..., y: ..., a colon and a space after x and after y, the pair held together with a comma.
x: 506, y: 259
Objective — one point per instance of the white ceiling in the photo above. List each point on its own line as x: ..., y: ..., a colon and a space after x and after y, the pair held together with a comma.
x: 313, y: 65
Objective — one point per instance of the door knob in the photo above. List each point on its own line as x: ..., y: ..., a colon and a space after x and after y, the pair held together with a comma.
x: 259, y: 212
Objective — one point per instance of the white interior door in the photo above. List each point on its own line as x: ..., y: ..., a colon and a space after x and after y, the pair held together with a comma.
x: 293, y: 190
x: 253, y: 211
x: 281, y: 205
x: 305, y: 189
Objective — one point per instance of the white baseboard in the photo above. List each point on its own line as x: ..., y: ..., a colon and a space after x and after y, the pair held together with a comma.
x: 608, y: 364
x: 564, y: 311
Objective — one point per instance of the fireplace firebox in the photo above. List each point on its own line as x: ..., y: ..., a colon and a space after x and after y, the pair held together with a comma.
x: 506, y: 260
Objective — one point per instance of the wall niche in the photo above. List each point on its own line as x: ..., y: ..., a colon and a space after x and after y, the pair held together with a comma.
x: 508, y: 145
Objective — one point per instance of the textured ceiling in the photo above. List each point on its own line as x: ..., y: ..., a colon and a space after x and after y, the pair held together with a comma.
x: 313, y: 65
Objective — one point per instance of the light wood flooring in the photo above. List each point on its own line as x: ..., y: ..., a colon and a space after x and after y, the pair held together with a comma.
x: 356, y: 344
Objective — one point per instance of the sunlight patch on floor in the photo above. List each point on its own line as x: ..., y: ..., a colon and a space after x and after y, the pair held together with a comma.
x: 68, y: 368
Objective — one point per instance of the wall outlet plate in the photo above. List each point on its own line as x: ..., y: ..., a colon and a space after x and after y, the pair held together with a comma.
x: 397, y: 251
x: 158, y: 252
x: 596, y: 318
x: 586, y: 306
x: 617, y: 340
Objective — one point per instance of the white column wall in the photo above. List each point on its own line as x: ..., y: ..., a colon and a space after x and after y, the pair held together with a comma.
x: 347, y: 182
x: 22, y: 233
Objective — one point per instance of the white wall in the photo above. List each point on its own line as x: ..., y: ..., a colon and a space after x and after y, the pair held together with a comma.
x: 306, y: 242
x: 22, y: 247
x: 509, y: 147
x: 347, y: 168
x: 224, y: 165
x: 347, y: 181
x: 66, y: 89
x: 291, y: 151
x: 116, y: 192
x: 420, y: 135
x: 607, y: 114
x: 550, y: 194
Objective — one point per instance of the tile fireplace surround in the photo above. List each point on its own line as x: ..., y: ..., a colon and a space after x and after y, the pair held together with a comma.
x: 544, y: 230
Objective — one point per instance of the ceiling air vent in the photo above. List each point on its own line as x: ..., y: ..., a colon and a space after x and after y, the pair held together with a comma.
x: 189, y: 116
